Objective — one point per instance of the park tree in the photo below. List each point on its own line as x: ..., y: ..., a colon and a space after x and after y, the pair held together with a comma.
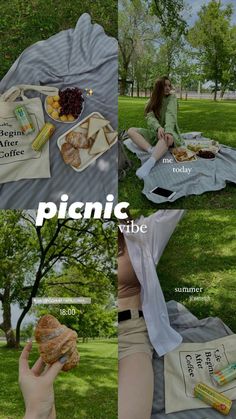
x: 16, y: 265
x: 229, y: 71
x: 212, y: 37
x: 187, y: 72
x: 29, y: 253
x: 136, y: 27
x: 143, y: 65
x: 99, y: 283
x: 170, y: 16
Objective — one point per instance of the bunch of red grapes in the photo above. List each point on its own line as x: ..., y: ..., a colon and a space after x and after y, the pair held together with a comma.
x: 71, y: 102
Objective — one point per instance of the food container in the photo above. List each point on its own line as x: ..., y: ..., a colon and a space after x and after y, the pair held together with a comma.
x: 206, y: 154
x: 59, y: 120
x: 190, y: 155
x: 86, y: 158
x: 203, y: 144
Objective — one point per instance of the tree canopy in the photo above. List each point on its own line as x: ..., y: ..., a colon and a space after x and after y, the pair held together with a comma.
x: 64, y: 255
x: 213, y: 37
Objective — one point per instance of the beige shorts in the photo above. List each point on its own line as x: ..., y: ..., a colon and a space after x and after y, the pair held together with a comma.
x: 133, y: 338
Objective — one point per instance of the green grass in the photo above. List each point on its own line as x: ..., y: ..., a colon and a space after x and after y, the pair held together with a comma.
x: 23, y: 22
x: 201, y: 253
x: 88, y: 391
x: 215, y: 120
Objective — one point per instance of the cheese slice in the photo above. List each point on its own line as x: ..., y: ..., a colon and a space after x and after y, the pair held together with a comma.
x: 84, y: 125
x: 95, y: 125
x: 100, y: 143
x: 111, y: 136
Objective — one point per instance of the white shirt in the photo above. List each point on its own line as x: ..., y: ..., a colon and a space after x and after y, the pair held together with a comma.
x: 145, y: 250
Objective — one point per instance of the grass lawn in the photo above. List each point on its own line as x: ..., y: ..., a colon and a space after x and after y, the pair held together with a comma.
x: 201, y: 253
x: 215, y: 120
x: 26, y: 22
x: 86, y: 392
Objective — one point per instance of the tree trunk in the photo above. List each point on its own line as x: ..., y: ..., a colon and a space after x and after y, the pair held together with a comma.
x: 199, y: 90
x: 137, y: 88
x: 6, y: 324
x: 122, y: 87
x: 215, y: 90
x: 29, y: 304
x: 123, y: 80
x: 222, y: 92
x: 186, y: 95
x: 181, y: 89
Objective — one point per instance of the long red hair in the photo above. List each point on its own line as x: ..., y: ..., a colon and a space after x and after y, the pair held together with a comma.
x: 155, y: 102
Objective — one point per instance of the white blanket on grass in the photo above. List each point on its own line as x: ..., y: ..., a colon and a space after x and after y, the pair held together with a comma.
x: 187, y: 178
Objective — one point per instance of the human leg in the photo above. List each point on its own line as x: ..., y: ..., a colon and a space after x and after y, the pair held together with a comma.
x: 139, y: 139
x: 136, y: 383
x: 158, y: 151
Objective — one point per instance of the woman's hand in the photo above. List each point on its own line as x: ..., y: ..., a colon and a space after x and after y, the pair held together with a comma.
x: 37, y: 386
x: 160, y: 133
x: 169, y: 139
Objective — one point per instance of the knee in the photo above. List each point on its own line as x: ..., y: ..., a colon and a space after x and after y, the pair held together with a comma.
x: 131, y: 131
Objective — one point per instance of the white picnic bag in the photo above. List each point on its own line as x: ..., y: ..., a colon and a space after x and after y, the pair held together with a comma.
x: 17, y: 158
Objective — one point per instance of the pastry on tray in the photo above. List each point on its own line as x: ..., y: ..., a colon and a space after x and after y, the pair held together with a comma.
x: 71, y: 155
x: 78, y: 140
x: 86, y: 141
x: 56, y: 340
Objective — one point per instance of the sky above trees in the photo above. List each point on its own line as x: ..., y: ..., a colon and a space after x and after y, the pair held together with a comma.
x: 196, y: 6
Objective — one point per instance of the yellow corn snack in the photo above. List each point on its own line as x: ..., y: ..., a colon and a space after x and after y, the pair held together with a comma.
x: 43, y: 136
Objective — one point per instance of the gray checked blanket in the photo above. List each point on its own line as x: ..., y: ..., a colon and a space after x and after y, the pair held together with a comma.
x: 192, y: 330
x: 85, y: 57
x: 188, y: 178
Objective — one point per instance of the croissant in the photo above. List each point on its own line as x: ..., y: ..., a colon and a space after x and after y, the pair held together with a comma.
x: 78, y: 140
x: 56, y: 340
x: 70, y: 155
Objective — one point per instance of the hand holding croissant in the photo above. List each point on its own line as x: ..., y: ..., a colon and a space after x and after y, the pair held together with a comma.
x: 55, y: 341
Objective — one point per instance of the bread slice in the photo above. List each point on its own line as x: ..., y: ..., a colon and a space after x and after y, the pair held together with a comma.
x: 84, y: 125
x: 100, y: 144
x: 111, y: 136
x: 95, y: 125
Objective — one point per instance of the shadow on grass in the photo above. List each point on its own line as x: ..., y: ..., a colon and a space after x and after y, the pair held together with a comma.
x: 201, y: 253
x: 88, y: 391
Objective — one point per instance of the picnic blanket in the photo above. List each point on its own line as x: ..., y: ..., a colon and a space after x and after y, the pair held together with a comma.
x: 192, y: 330
x: 85, y: 57
x: 196, y: 177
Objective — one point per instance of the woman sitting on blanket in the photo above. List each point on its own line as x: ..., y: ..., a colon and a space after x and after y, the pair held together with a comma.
x: 163, y: 131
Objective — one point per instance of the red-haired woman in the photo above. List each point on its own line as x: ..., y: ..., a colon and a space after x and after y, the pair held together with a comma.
x: 161, y: 116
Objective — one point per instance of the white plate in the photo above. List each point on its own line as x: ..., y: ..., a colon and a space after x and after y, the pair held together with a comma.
x: 58, y: 120
x: 86, y: 158
x: 204, y: 144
